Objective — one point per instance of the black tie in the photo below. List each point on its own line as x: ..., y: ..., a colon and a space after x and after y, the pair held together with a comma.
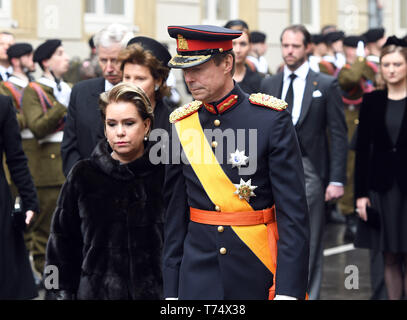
x: 289, y: 97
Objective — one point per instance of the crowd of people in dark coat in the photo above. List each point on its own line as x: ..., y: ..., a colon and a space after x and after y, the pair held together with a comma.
x: 80, y: 191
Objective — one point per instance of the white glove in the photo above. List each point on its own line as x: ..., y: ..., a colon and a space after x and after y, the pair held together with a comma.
x: 360, y: 50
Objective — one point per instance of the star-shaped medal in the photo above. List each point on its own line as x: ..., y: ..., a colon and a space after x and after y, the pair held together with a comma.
x: 245, y: 190
x: 238, y: 159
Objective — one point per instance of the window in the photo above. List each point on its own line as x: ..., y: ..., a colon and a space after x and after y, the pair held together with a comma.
x: 99, y: 13
x: 306, y: 12
x: 403, y: 14
x: 5, y: 14
x: 218, y: 12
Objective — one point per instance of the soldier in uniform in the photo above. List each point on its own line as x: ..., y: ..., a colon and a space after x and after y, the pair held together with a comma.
x: 237, y: 218
x: 44, y: 106
x: 6, y: 40
x: 355, y: 78
x: 375, y: 39
x: 20, y: 56
x: 333, y: 58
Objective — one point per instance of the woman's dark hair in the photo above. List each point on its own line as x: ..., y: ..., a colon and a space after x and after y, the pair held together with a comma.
x: 127, y: 92
x: 135, y: 54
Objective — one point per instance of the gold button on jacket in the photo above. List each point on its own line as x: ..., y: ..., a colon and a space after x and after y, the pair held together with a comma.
x: 222, y: 250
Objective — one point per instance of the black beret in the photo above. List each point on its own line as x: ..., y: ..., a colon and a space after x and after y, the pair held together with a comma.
x: 235, y: 23
x: 317, y: 38
x: 352, y: 41
x: 333, y: 36
x: 257, y: 37
x: 46, y: 50
x: 393, y: 40
x: 372, y: 35
x: 156, y: 48
x: 197, y: 44
x: 19, y: 49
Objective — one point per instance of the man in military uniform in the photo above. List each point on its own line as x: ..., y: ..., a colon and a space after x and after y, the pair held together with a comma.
x: 224, y: 206
x: 20, y: 56
x: 375, y: 39
x: 6, y: 40
x: 355, y: 78
x: 44, y: 106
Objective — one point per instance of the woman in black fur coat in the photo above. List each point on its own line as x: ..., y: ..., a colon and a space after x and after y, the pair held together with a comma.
x: 106, y: 233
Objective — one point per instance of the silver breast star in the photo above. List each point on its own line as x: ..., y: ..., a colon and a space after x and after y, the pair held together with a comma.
x: 245, y: 190
x: 238, y: 159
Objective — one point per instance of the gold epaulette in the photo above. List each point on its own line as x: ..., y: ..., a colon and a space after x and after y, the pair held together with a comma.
x: 265, y: 100
x: 185, y: 111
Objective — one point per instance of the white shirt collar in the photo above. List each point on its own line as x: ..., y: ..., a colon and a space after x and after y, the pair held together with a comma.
x: 301, y: 72
x: 47, y: 82
x: 108, y: 85
x: 18, y: 81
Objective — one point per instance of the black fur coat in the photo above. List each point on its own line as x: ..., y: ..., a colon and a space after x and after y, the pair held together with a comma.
x: 106, y: 232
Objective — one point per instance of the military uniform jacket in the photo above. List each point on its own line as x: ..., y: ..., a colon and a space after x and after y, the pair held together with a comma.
x: 194, y: 267
x: 357, y: 79
x: 44, y: 158
x: 6, y: 91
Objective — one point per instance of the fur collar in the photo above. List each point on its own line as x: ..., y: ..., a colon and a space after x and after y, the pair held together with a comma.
x: 139, y: 168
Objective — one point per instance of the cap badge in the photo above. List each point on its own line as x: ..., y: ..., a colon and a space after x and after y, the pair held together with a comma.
x: 182, y: 43
x: 238, y: 159
x: 245, y: 190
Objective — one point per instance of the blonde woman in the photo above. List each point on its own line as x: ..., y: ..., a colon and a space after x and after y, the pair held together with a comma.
x: 380, y: 167
x: 106, y: 233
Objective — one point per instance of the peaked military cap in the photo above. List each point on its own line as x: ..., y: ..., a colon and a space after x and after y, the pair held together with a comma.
x: 372, y: 35
x: 46, y: 50
x: 196, y: 44
x: 352, y: 41
x: 157, y: 49
x: 19, y: 49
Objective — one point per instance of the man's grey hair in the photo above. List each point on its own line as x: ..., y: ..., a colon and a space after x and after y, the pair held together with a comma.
x: 112, y: 34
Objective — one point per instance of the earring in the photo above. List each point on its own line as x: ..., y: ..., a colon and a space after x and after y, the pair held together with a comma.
x: 156, y: 87
x: 145, y: 138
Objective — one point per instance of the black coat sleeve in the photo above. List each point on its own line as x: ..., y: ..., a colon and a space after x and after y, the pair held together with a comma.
x: 16, y: 159
x: 286, y: 175
x: 363, y: 147
x: 176, y: 224
x: 338, y: 133
x: 69, y: 146
x: 64, y: 248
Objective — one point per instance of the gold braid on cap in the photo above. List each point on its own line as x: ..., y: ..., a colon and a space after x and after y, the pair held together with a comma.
x: 265, y: 100
x: 185, y: 111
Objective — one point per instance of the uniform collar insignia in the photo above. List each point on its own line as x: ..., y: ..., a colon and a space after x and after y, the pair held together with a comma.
x: 221, y: 107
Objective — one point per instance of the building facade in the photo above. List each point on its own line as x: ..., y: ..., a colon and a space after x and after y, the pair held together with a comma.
x: 75, y: 21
